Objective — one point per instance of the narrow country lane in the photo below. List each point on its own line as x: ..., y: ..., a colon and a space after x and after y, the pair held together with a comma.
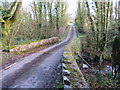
x: 43, y: 72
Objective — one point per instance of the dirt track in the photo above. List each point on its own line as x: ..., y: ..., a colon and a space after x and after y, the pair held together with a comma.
x: 43, y: 72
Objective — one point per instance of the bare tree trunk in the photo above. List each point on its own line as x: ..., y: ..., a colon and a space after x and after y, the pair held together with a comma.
x: 40, y: 19
x: 57, y: 15
x: 50, y: 15
x: 90, y: 18
x: 45, y: 20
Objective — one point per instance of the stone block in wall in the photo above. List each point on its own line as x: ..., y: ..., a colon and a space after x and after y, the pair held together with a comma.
x: 66, y: 80
x: 66, y: 73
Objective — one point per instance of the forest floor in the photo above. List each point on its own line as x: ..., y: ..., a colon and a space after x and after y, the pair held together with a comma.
x: 100, y: 79
x: 44, y: 72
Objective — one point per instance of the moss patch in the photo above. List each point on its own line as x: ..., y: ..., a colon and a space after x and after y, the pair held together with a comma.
x: 75, y: 77
x: 23, y: 48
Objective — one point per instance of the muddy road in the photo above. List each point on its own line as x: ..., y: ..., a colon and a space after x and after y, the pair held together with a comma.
x: 42, y: 72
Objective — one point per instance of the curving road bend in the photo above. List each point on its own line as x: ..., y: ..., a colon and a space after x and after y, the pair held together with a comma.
x: 43, y: 72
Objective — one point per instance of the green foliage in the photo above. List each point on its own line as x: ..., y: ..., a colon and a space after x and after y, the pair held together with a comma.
x: 59, y: 84
x: 81, y: 15
x: 109, y: 75
x: 100, y: 80
x: 99, y: 76
x: 5, y: 14
x: 9, y: 17
x: 0, y: 44
x: 62, y: 37
x: 76, y: 47
x: 100, y: 28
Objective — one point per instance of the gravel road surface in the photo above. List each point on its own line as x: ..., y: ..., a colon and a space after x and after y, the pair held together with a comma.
x: 43, y: 72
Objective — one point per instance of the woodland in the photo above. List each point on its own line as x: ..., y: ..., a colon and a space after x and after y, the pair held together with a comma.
x: 98, y: 24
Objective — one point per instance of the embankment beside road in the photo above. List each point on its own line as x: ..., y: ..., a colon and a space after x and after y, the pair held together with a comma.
x: 72, y: 75
x: 27, y: 47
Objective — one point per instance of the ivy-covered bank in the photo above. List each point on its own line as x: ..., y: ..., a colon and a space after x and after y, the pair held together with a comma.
x: 72, y: 75
x: 27, y: 47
